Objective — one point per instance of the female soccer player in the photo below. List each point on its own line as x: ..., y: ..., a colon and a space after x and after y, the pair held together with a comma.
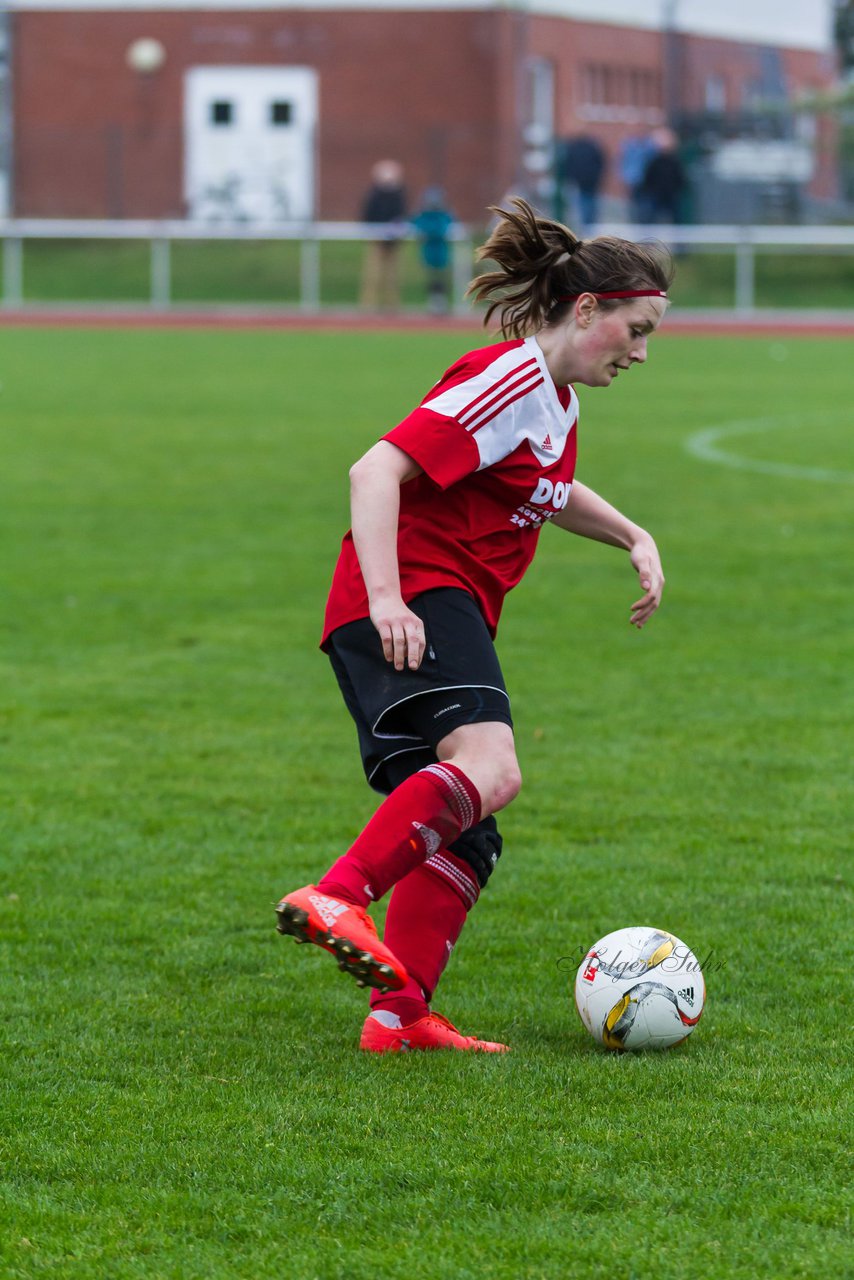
x: 446, y: 512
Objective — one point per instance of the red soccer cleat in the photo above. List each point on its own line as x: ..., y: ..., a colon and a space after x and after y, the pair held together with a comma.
x: 431, y: 1032
x: 346, y: 931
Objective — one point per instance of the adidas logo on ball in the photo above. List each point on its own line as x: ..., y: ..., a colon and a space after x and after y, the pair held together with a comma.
x: 687, y: 994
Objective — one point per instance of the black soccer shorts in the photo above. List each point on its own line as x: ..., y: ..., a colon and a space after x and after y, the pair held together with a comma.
x: 401, y: 716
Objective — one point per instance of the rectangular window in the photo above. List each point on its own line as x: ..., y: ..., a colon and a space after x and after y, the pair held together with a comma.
x: 281, y: 113
x: 539, y: 96
x: 222, y: 113
x: 613, y: 92
x: 592, y: 86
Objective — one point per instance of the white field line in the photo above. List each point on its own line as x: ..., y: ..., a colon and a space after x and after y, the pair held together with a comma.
x: 705, y: 446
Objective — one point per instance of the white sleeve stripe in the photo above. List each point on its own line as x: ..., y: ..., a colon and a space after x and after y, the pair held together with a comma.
x: 493, y: 407
x: 494, y: 388
x: 465, y: 397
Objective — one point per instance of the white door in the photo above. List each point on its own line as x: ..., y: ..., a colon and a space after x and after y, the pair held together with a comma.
x: 249, y: 142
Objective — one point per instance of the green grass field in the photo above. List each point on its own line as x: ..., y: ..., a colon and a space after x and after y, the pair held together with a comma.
x: 181, y: 1091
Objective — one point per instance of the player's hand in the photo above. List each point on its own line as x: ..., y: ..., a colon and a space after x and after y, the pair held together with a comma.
x: 402, y: 633
x: 647, y: 562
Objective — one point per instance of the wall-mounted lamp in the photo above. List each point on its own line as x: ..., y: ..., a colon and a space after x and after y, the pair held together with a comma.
x: 145, y: 56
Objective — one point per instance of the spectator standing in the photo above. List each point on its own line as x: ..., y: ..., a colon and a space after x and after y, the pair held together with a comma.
x: 635, y: 154
x: 433, y: 223
x: 384, y: 206
x: 582, y: 165
x: 665, y: 182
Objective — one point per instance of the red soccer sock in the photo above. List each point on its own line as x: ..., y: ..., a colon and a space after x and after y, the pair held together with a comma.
x: 425, y: 916
x: 429, y: 809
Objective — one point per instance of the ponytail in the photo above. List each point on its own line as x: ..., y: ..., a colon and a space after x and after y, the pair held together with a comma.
x: 542, y: 263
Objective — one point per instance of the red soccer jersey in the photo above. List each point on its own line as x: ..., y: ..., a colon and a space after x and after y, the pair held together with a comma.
x: 496, y: 440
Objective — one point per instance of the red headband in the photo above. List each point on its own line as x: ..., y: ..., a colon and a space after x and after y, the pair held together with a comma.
x: 617, y: 293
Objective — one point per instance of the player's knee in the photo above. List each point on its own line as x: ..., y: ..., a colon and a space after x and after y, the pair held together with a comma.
x: 486, y: 754
x: 504, y: 786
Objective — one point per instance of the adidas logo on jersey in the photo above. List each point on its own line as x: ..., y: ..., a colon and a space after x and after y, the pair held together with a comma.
x: 546, y: 446
x: 327, y: 908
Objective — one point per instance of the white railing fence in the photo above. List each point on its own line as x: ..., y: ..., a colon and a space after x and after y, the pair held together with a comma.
x: 742, y: 241
x: 162, y: 234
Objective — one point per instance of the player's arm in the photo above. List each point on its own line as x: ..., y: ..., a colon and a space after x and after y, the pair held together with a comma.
x: 375, y: 482
x: 590, y: 516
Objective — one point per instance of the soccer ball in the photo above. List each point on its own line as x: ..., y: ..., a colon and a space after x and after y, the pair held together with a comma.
x: 639, y: 988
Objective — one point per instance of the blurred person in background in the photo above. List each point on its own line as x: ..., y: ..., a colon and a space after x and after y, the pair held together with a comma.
x: 635, y: 154
x: 384, y: 206
x: 433, y: 223
x: 582, y: 164
x: 447, y: 509
x: 665, y: 183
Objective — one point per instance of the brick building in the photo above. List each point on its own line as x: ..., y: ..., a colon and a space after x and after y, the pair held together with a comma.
x: 127, y: 110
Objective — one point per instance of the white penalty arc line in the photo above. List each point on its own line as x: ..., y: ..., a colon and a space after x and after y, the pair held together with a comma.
x: 704, y: 445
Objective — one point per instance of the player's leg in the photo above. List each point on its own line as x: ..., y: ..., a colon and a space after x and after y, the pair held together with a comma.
x: 341, y: 927
x: 426, y: 914
x: 432, y: 807
x: 426, y: 813
x: 456, y: 704
x: 476, y: 774
x: 428, y: 908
